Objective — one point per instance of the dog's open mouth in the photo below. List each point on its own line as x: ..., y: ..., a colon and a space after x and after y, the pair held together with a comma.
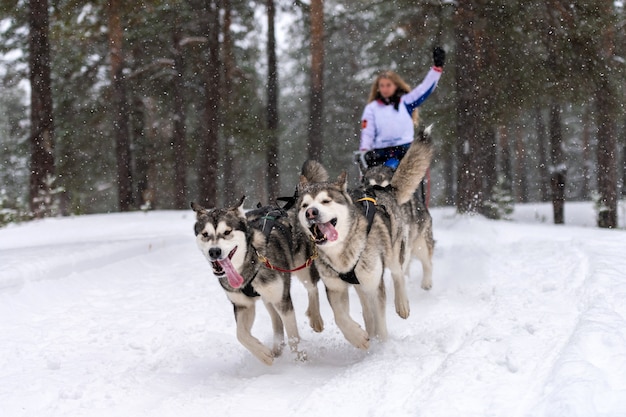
x: 224, y: 266
x: 324, y: 232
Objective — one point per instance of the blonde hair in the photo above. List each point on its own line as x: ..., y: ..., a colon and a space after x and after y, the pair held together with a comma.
x: 399, y: 83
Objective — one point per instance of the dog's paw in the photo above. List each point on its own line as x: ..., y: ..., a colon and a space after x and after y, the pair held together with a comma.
x: 264, y: 355
x: 277, y: 350
x: 403, y: 309
x: 358, y: 337
x: 427, y: 283
x: 301, y: 355
x: 317, y: 324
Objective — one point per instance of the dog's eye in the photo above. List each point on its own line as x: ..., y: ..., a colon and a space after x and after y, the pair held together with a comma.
x: 326, y: 201
x: 205, y: 235
x: 227, y: 232
x: 304, y: 205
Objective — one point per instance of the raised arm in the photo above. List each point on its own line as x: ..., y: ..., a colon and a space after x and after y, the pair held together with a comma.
x: 420, y: 93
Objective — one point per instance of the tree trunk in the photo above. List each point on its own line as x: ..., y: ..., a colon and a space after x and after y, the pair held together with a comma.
x: 558, y: 169
x: 179, y: 139
x: 41, y: 117
x: 142, y: 149
x: 273, y: 175
x: 505, y: 160
x: 232, y: 189
x: 624, y: 160
x: 606, y: 103
x: 585, y: 137
x: 209, y: 151
x: 490, y: 162
x: 448, y: 172
x: 520, y: 156
x: 607, y: 161
x: 469, y: 177
x: 120, y: 108
x: 542, y: 165
x: 316, y: 110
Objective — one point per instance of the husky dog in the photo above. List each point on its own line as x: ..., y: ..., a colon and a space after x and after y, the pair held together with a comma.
x: 415, y: 216
x: 355, y: 250
x: 252, y: 255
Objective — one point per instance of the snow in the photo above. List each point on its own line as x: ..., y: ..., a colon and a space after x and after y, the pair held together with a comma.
x: 119, y: 315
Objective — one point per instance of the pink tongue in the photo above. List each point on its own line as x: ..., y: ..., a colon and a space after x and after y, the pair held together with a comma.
x: 234, y: 279
x: 329, y: 230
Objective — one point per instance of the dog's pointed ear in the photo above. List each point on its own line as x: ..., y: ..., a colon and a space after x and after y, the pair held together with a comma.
x: 199, y: 210
x: 239, y: 206
x: 342, y: 180
x: 197, y: 207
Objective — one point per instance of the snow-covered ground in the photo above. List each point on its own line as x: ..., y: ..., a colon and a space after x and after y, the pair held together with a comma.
x: 119, y: 315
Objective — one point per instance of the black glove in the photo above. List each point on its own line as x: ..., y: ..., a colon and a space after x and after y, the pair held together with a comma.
x: 439, y: 56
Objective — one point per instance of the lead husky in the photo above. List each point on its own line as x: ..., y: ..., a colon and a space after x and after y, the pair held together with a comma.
x: 353, y: 250
x: 253, y: 254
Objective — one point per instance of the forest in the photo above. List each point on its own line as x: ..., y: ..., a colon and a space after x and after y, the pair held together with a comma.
x: 113, y: 106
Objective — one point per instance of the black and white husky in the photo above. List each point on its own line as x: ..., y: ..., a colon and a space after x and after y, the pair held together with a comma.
x: 356, y: 244
x: 253, y: 254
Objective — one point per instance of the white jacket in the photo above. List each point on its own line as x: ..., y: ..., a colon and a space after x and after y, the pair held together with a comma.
x: 384, y: 126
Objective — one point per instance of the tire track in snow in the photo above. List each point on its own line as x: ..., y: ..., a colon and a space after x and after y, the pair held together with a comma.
x: 524, y: 295
x: 593, y: 361
x: 46, y: 263
x: 467, y: 336
x: 121, y: 328
x: 382, y: 374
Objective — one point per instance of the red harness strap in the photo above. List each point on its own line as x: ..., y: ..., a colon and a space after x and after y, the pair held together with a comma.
x: 306, y: 264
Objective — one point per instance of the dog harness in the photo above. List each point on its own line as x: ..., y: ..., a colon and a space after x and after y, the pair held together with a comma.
x: 368, y: 205
x: 267, y: 224
x: 249, y: 290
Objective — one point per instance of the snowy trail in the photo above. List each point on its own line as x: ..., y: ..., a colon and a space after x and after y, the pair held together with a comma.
x: 473, y: 332
x: 588, y: 376
x: 119, y: 315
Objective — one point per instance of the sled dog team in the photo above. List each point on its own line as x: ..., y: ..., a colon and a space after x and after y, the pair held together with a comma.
x: 346, y: 238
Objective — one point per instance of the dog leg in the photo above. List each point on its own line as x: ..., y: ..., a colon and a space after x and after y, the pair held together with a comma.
x: 368, y: 311
x: 313, y: 311
x: 374, y: 315
x: 309, y: 278
x: 340, y: 304
x: 244, y: 316
x: 400, y: 296
x: 278, y: 302
x: 380, y: 303
x: 424, y: 254
x: 291, y: 327
x: 287, y: 318
x: 277, y: 326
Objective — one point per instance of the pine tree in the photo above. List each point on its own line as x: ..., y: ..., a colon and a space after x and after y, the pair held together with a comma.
x: 316, y: 105
x: 41, y: 116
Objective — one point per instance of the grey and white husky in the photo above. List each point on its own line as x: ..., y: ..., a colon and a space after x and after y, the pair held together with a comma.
x: 416, y: 217
x: 253, y: 254
x: 355, y: 250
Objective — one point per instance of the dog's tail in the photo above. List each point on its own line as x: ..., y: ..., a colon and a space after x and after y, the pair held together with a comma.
x: 314, y: 171
x: 413, y: 166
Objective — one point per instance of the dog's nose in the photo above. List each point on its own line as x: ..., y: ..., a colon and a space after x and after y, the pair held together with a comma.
x: 312, y: 213
x: 215, y: 253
